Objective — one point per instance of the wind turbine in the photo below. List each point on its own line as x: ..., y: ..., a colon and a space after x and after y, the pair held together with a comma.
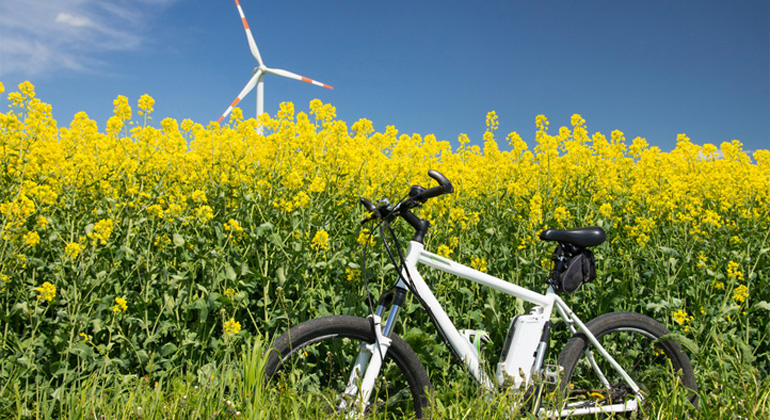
x: 259, y: 73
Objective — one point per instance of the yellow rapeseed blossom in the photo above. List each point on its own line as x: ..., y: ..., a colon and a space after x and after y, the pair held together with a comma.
x: 204, y: 213
x: 145, y: 104
x: 122, y: 109
x: 317, y: 185
x: 46, y: 291
x: 156, y: 210
x: 352, y: 274
x: 320, y: 240
x: 229, y: 292
x: 605, y: 210
x: 733, y: 271
x: 444, y: 251
x: 162, y: 241
x: 198, y: 196
x: 120, y: 305
x: 741, y: 294
x: 479, y: 263
x: 702, y: 260
x: 42, y: 222
x: 234, y: 228
x: 560, y: 214
x: 365, y: 239
x: 73, y: 249
x: 682, y: 318
x: 31, y: 239
x: 101, y: 232
x: 231, y: 326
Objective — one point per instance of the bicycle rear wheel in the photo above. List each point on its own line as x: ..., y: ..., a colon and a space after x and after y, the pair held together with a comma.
x: 313, y: 362
x: 633, y: 340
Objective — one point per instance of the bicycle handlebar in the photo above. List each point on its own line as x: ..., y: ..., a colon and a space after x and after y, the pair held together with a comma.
x: 417, y: 195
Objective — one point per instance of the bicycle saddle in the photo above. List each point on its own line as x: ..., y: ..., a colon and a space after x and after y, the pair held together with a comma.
x: 580, y: 237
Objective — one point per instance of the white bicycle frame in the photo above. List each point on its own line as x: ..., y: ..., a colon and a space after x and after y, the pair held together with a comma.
x: 361, y: 388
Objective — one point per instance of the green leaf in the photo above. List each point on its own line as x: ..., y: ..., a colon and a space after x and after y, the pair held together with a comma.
x: 167, y: 349
x: 668, y: 251
x: 761, y: 305
x: 178, y: 240
x: 230, y: 272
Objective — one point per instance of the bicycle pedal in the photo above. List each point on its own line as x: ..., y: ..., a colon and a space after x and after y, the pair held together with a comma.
x: 552, y: 374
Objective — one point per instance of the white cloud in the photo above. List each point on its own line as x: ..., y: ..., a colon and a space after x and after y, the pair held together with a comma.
x: 77, y: 21
x: 44, y: 36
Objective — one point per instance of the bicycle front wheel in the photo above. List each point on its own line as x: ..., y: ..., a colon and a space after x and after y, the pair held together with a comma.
x: 633, y: 341
x: 312, y: 363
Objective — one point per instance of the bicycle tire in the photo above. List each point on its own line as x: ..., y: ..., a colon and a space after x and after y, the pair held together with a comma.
x: 632, y: 339
x: 328, y: 346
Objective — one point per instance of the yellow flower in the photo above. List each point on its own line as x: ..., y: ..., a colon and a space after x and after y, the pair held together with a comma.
x: 101, y: 232
x: 198, y: 196
x: 31, y: 239
x: 702, y: 260
x: 120, y: 305
x: 444, y: 251
x: 42, y: 222
x: 155, y: 210
x: 365, y: 239
x: 733, y: 271
x: 560, y: 214
x: 479, y: 263
x: 229, y: 292
x: 122, y: 109
x: 145, y: 104
x: 234, y: 228
x: 683, y: 318
x: 606, y: 210
x: 204, y: 213
x: 232, y: 326
x: 84, y: 338
x: 317, y: 185
x: 162, y: 241
x: 73, y: 249
x: 46, y: 292
x: 352, y: 274
x: 741, y: 294
x: 680, y: 317
x: 320, y: 240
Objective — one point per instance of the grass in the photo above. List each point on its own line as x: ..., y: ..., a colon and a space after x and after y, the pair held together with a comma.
x: 234, y: 388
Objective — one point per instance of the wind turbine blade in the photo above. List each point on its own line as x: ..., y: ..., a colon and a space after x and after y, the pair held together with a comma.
x: 246, y: 89
x: 295, y: 76
x: 249, y: 36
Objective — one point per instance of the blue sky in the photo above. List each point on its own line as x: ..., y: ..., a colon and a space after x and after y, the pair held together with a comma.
x: 652, y: 69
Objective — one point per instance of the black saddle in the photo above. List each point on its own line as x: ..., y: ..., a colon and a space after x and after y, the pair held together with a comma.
x: 580, y: 237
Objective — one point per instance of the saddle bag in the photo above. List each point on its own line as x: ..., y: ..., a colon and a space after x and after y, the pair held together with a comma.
x: 573, y: 267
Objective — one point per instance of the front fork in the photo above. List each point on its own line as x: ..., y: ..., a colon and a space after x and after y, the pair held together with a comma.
x: 372, y: 355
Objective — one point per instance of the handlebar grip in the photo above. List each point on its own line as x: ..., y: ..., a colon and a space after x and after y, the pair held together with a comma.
x: 430, y: 193
x: 443, y: 182
x: 368, y: 204
x: 444, y: 187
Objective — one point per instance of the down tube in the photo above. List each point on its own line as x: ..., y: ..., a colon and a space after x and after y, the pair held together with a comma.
x: 461, y: 346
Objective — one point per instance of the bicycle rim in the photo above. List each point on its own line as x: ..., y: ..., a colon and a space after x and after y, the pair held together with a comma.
x: 658, y: 367
x: 314, y: 371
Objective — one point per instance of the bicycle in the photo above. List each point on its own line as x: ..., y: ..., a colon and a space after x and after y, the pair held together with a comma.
x: 340, y: 359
